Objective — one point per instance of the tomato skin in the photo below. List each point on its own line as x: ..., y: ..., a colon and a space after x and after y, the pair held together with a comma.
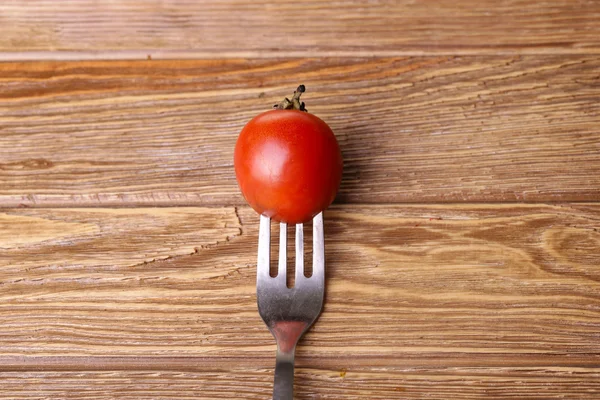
x: 288, y: 165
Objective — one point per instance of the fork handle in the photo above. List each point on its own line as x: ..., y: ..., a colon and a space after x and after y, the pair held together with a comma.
x: 283, y: 388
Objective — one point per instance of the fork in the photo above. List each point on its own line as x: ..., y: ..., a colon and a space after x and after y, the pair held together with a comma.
x: 289, y: 312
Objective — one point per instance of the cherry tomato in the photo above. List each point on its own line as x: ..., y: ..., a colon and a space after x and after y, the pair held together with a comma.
x: 288, y: 163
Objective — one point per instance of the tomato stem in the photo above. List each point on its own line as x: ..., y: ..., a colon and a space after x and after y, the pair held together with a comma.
x: 295, y: 103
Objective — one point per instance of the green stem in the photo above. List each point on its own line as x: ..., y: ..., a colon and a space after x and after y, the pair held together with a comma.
x: 295, y: 103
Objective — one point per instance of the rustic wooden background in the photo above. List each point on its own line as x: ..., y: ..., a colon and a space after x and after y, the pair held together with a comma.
x: 463, y: 249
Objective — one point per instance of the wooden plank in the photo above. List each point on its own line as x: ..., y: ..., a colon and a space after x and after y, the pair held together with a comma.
x: 432, y: 299
x: 423, y: 129
x: 409, y: 384
x: 43, y: 29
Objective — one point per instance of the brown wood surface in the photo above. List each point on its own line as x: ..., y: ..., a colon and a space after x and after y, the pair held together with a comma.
x: 43, y: 29
x: 200, y: 383
x: 422, y: 301
x: 463, y: 254
x: 424, y: 129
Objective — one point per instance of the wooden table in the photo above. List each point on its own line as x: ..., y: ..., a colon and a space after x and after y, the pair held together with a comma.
x: 463, y: 251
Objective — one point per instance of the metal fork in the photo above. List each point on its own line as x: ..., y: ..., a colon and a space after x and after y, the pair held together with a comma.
x: 289, y: 312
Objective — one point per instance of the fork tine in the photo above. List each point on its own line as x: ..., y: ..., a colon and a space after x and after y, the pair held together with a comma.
x: 281, y: 273
x: 299, y: 253
x: 264, y: 248
x: 318, y: 247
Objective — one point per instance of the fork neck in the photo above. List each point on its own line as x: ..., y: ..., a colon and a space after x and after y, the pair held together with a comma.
x: 283, y: 383
x: 287, y: 334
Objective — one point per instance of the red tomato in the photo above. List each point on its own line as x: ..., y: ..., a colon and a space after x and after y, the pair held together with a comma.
x: 288, y: 165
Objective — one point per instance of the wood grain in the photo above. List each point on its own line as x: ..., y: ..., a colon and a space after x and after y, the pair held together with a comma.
x: 43, y: 29
x: 422, y: 300
x: 393, y: 383
x: 412, y: 129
